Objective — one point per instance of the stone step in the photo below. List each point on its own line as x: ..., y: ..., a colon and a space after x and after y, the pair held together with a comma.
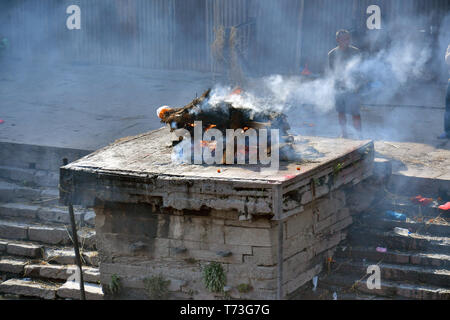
x: 395, y: 272
x: 71, y: 290
x: 430, y: 226
x: 60, y: 272
x: 11, y: 192
x: 45, y: 233
x: 67, y: 256
x: 38, y: 213
x: 29, y: 288
x: 12, y: 265
x: 389, y: 289
x: 389, y: 239
x: 406, y: 206
x: 23, y: 249
x: 38, y: 157
x: 30, y: 177
x: 396, y: 257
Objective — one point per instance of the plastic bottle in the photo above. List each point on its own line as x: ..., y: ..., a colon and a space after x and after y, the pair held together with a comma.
x: 401, y: 231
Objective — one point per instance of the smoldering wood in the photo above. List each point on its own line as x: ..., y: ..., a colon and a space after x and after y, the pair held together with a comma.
x: 223, y: 116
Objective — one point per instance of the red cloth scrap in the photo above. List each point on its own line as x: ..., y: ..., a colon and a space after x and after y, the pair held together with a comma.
x: 421, y: 200
x: 445, y: 206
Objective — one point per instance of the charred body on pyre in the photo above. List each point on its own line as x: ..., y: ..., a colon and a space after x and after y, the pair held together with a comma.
x: 225, y: 115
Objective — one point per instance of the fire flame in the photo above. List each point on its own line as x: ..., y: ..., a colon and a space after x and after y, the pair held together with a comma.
x: 210, y: 127
x: 162, y: 111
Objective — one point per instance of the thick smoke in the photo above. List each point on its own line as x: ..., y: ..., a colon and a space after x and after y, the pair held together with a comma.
x: 379, y: 76
x: 107, y: 34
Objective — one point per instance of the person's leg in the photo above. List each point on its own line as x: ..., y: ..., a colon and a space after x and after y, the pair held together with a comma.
x: 447, y: 112
x: 355, y: 110
x: 343, y: 123
x: 446, y: 134
x: 340, y: 108
x: 357, y: 122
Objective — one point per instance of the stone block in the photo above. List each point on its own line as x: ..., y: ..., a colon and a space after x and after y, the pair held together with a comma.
x: 87, y: 238
x: 255, y: 222
x: 235, y: 249
x: 18, y: 210
x: 11, y: 265
x: 176, y: 284
x: 207, y: 255
x: 248, y: 236
x: 57, y: 215
x: 3, y: 245
x: 328, y: 242
x: 224, y: 214
x: 298, y: 243
x: 333, y: 220
x: 299, y: 223
x: 91, y: 258
x: 115, y: 245
x: 262, y: 256
x: 170, y: 269
x: 89, y: 218
x: 297, y: 264
x: 49, y: 235
x: 327, y: 207
x: 201, y: 229
x: 71, y: 290
x: 13, y: 231
x: 28, y: 288
x: 242, y: 272
x: 301, y: 279
x: 60, y: 256
x: 26, y: 250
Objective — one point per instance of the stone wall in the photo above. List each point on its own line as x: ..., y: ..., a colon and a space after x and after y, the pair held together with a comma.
x: 138, y: 241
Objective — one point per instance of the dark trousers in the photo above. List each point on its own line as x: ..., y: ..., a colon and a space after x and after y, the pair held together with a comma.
x: 447, y: 111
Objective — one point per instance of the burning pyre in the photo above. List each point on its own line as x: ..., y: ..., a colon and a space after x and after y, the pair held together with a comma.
x: 227, y: 115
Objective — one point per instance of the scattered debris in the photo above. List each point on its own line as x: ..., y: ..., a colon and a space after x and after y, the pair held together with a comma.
x: 421, y: 200
x: 314, y: 280
x: 305, y: 71
x: 445, y: 207
x: 396, y: 215
x: 390, y: 144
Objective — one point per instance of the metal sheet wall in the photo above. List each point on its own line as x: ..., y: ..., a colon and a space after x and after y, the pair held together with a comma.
x: 321, y: 20
x: 177, y: 34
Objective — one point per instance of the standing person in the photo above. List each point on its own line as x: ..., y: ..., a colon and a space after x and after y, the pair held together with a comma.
x: 446, y: 134
x: 347, y: 99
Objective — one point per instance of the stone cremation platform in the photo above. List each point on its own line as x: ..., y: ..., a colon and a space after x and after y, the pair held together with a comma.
x: 270, y: 232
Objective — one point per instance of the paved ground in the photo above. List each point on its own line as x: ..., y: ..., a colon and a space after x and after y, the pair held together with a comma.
x: 86, y: 107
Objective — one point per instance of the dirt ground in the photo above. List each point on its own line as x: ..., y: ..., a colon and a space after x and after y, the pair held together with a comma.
x: 87, y: 107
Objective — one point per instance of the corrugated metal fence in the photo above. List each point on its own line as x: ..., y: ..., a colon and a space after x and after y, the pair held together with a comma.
x: 177, y: 34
